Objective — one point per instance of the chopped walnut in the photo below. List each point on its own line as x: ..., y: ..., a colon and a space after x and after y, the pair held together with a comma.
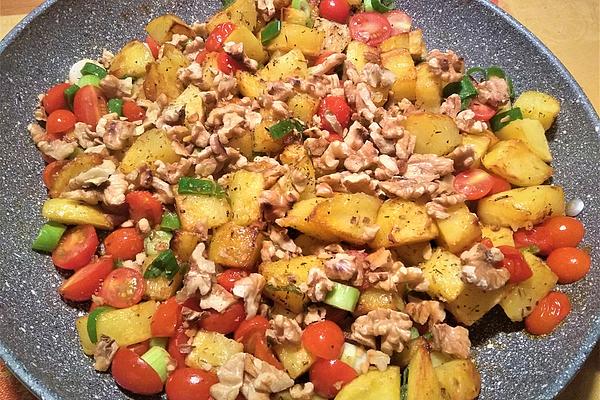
x: 279, y: 247
x: 253, y: 378
x: 317, y: 285
x: 218, y: 299
x: 312, y: 314
x: 199, y: 277
x: 451, y: 106
x: 278, y: 200
x: 85, y: 136
x: 94, y: 176
x: 236, y: 51
x: 329, y: 161
x: 448, y: 66
x: 427, y: 167
x: 479, y: 267
x: 466, y: 122
x: 436, y: 210
x: 302, y: 391
x: 328, y: 65
x: 58, y: 149
x: 385, y: 273
x: 104, y: 352
x: 113, y: 87
x: 191, y: 74
x: 91, y: 197
x: 250, y: 289
x: 266, y: 10
x: 284, y: 330
x: 116, y: 134
x: 144, y: 226
x: 362, y: 159
x: 451, y: 340
x: 392, y: 326
x: 163, y: 190
x: 224, y: 85
x: 107, y: 58
x: 378, y: 358
x: 425, y: 311
x: 268, y: 167
x: 376, y: 76
x: 494, y: 92
x: 232, y: 120
x: 348, y: 182
x: 407, y: 189
x: 463, y: 157
x: 341, y: 266
x: 174, y: 171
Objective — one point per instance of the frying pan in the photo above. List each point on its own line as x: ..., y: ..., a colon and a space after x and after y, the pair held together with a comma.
x: 37, y: 332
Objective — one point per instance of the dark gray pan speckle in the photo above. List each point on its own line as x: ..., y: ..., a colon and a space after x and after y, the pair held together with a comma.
x: 37, y: 334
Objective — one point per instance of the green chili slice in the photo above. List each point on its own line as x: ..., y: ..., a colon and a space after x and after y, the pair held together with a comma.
x: 48, y: 237
x: 271, y: 31
x: 115, y: 106
x: 70, y: 94
x: 205, y: 187
x: 502, y: 119
x: 93, y: 69
x: 86, y: 80
x: 164, y: 264
x: 93, y: 320
x: 170, y: 221
x: 285, y: 127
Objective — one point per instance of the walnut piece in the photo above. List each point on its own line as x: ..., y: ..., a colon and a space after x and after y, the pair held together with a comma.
x: 250, y: 289
x: 199, y: 277
x: 378, y: 358
x: 284, y: 330
x: 494, y: 91
x: 104, y: 352
x: 451, y: 340
x: 218, y: 299
x: 317, y: 285
x: 425, y: 311
x: 447, y: 65
x: 392, y: 326
x: 479, y: 267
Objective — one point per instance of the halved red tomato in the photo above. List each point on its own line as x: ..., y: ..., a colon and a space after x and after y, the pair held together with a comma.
x: 474, y: 183
x: 370, y: 28
x: 86, y: 281
x: 132, y: 111
x: 329, y: 376
x: 50, y: 172
x: 218, y: 36
x: 515, y: 263
x: 123, y: 288
x: 224, y: 322
x: 76, y: 248
x: 143, y: 205
x: 166, y: 318
x: 134, y: 374
x: 55, y: 98
x: 228, y: 64
x: 89, y: 105
x: 175, y: 343
x: 483, y: 112
x: 499, y: 185
x: 190, y: 384
x: 399, y: 21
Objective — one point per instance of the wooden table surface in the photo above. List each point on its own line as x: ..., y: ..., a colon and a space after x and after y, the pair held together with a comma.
x: 571, y: 29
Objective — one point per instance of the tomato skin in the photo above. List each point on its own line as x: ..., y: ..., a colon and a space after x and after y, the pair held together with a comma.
x: 570, y: 264
x: 338, y: 107
x: 166, y: 318
x: 515, y: 264
x: 548, y: 313
x: 474, y: 183
x: 132, y: 111
x: 257, y: 323
x: 190, y: 384
x: 218, y: 36
x: 177, y: 340
x: 228, y: 65
x: 226, y: 322
x: 322, y: 57
x: 537, y: 236
x: 323, y: 339
x: 229, y: 277
x: 498, y: 185
x: 483, y: 112
x: 134, y: 374
x: 50, y: 172
x: 143, y: 205
x: 153, y: 45
x: 89, y: 105
x: 564, y: 231
x: 335, y: 10
x: 201, y: 56
x: 124, y: 243
x: 55, y: 98
x: 59, y: 123
x: 122, y: 288
x: 86, y: 281
x: 256, y: 344
x: 140, y: 348
x: 76, y: 248
x: 334, y: 137
x: 370, y: 28
x: 399, y: 21
x: 327, y: 374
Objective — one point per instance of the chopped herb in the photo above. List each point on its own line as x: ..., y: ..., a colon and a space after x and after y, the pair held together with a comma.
x: 70, y: 94
x: 164, y: 264
x: 404, y: 385
x: 227, y: 3
x: 285, y: 127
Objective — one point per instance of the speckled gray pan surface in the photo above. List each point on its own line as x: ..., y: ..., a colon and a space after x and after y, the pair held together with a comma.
x: 37, y: 335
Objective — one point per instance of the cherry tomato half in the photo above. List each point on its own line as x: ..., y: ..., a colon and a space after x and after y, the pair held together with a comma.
x: 335, y: 10
x: 55, y: 98
x: 548, y: 313
x: 256, y: 344
x: 570, y: 264
x: 134, y: 374
x: 399, y: 21
x: 337, y: 106
x: 218, y: 36
x: 76, y: 248
x: 370, y: 28
x: 123, y: 288
x: 515, y: 264
x: 86, y: 281
x: 322, y: 57
x: 329, y: 376
x: 50, y: 172
x: 124, y: 243
x: 175, y: 343
x: 564, y: 231
x: 166, y: 318
x: 143, y: 205
x: 201, y: 56
x: 89, y: 105
x: 132, y: 111
x: 224, y: 322
x: 334, y: 137
x: 190, y: 384
x: 498, y: 185
x: 140, y: 348
x: 474, y: 183
x: 323, y: 339
x: 248, y: 327
x: 59, y: 123
x: 228, y: 64
x: 483, y: 112
x: 534, y: 237
x: 153, y: 45
x: 230, y: 276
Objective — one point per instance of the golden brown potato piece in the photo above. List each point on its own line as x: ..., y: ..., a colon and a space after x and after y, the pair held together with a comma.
x: 303, y: 106
x: 422, y: 381
x: 71, y: 169
x: 160, y: 288
x: 402, y: 65
x: 371, y: 299
x: 480, y: 145
x: 473, y: 303
x: 460, y: 230
x: 244, y: 190
x: 212, y: 348
x: 252, y: 46
x: 127, y: 325
x: 296, y: 360
x: 241, y: 12
x: 250, y: 85
x: 500, y: 236
x: 199, y: 212
x: 131, y: 60
x: 299, y: 218
x: 293, y: 63
x: 443, y: 272
x: 435, y: 133
x: 459, y: 380
x: 360, y: 54
x: 413, y: 254
x: 540, y: 106
x: 184, y: 243
x: 164, y: 27
x: 72, y: 212
x: 151, y: 146
x: 428, y: 89
x: 236, y: 246
x: 308, y: 40
x: 373, y: 385
x: 161, y: 75
x: 531, y: 132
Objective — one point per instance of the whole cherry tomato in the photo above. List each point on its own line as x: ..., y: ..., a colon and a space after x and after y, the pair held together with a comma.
x: 536, y: 237
x: 335, y: 10
x: 124, y: 243
x: 55, y: 98
x: 76, y: 248
x: 370, y: 27
x: 548, y: 313
x: 190, y: 384
x: 224, y: 322
x: 257, y: 323
x: 166, y: 318
x: 86, y: 281
x: 59, y: 123
x: 323, y: 339
x: 515, y: 264
x: 122, y: 288
x: 134, y: 374
x: 564, y: 231
x: 337, y: 106
x: 228, y: 64
x: 329, y: 376
x: 570, y: 264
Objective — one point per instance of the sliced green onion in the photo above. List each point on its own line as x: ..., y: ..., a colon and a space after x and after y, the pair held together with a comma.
x: 477, y: 70
x: 93, y: 320
x: 70, y: 94
x: 381, y: 6
x: 404, y: 385
x: 303, y: 6
x: 271, y: 31
x: 158, y: 358
x: 343, y: 297
x: 502, y: 119
x: 170, y: 221
x: 86, y: 80
x: 48, y: 237
x: 227, y: 3
x: 205, y: 187
x: 414, y: 333
x: 93, y: 69
x: 157, y: 241
x: 164, y: 264
x: 115, y: 106
x: 159, y: 342
x: 285, y: 127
